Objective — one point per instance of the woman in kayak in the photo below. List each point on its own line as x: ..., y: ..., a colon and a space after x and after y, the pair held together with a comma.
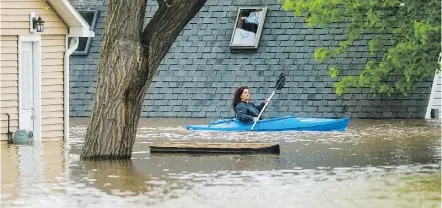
x: 245, y: 111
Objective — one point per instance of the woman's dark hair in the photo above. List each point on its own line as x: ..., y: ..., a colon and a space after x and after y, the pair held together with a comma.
x: 237, y: 95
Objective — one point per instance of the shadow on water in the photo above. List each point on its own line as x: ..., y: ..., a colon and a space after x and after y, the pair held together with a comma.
x: 385, y: 163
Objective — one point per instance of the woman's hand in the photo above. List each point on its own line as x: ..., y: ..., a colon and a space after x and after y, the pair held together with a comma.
x: 266, y: 100
x: 255, y: 119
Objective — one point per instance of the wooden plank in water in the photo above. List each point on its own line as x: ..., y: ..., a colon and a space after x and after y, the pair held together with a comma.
x: 193, y: 147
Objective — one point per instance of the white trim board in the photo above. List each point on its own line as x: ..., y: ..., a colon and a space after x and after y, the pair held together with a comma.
x: 36, y: 39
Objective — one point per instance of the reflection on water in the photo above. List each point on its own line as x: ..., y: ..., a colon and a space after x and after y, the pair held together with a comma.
x: 376, y: 163
x: 112, y: 176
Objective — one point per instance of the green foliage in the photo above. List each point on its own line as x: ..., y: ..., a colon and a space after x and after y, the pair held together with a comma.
x: 405, y: 33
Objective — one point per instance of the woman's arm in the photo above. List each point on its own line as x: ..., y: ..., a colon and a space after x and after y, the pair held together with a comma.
x: 260, y: 106
x: 241, y: 114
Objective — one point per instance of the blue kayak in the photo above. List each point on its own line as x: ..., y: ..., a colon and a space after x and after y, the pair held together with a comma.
x: 286, y: 123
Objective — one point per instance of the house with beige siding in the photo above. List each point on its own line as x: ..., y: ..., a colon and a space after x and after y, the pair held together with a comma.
x: 35, y: 65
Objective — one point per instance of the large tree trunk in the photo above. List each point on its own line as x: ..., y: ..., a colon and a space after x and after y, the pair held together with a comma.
x: 129, y: 58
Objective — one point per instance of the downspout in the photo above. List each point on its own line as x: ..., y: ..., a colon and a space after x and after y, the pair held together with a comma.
x: 437, y: 74
x: 9, y: 132
x: 432, y: 94
x: 69, y: 50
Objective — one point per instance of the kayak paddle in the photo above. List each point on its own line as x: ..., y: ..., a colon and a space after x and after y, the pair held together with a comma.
x: 279, y: 84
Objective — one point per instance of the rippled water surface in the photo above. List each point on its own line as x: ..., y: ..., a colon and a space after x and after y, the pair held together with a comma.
x: 375, y: 163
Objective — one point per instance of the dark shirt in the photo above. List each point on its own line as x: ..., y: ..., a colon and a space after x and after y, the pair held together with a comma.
x: 246, y: 111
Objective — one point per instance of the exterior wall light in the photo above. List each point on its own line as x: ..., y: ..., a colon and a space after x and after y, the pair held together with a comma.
x: 36, y: 24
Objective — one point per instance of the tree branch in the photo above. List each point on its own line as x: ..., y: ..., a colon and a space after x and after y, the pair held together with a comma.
x: 160, y: 3
x: 165, y: 26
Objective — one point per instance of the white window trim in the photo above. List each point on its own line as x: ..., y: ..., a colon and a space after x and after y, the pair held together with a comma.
x: 37, y: 84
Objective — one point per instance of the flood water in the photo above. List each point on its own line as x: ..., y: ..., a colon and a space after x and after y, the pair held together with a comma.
x: 375, y: 163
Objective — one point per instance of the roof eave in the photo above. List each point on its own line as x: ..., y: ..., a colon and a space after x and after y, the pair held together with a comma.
x: 78, y: 27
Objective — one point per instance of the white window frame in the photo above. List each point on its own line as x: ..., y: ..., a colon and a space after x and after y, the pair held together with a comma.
x: 258, y: 33
x: 93, y: 25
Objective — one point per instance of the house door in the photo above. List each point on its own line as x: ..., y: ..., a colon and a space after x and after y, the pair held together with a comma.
x: 26, y: 85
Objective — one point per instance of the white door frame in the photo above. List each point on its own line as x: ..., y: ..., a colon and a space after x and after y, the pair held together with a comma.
x: 36, y: 39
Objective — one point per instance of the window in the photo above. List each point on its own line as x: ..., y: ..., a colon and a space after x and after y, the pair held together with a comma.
x: 248, y: 27
x: 84, y: 44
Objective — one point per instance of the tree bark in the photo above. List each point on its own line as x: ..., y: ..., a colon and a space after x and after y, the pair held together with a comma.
x: 129, y: 58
